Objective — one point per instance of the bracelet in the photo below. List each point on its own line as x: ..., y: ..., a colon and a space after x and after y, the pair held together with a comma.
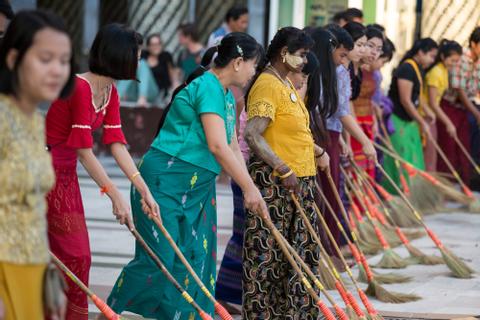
x: 321, y: 154
x: 133, y: 176
x: 286, y: 175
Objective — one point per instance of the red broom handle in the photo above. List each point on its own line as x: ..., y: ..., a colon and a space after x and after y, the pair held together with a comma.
x: 434, y: 238
x: 404, y: 184
x: 356, y: 211
x: 401, y: 235
x: 104, y: 308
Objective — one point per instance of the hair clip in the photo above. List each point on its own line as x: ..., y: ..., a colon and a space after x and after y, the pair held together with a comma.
x: 240, y: 51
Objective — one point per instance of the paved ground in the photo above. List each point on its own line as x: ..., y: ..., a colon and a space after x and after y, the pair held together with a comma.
x: 112, y: 247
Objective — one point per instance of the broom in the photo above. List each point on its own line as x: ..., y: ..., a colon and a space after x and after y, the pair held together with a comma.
x: 455, y: 264
x: 390, y: 258
x: 424, y: 197
x: 203, y: 315
x: 374, y: 289
x: 385, y: 278
x: 416, y: 256
x: 389, y: 224
x: 375, y: 217
x: 352, y: 307
x: 101, y: 305
x: 465, y: 188
x: 279, y: 239
x: 449, y: 192
x: 219, y: 309
x: 346, y: 295
x: 472, y: 207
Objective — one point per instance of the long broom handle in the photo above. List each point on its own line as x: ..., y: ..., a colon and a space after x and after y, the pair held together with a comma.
x: 381, y: 238
x: 278, y: 237
x: 448, y: 163
x: 221, y: 311
x: 355, y: 248
x: 467, y: 154
x: 341, y: 314
x: 101, y: 305
x: 167, y: 274
x: 414, y: 211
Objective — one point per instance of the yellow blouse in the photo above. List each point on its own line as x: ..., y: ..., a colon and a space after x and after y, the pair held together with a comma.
x: 437, y: 77
x: 288, y: 133
x: 26, y: 175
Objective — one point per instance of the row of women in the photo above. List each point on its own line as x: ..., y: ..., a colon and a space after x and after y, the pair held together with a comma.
x: 287, y: 144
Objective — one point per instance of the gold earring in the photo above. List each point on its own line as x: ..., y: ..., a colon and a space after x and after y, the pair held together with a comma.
x: 284, y: 59
x: 236, y: 69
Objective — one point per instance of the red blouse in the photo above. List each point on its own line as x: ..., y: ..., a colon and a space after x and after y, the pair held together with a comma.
x: 70, y: 121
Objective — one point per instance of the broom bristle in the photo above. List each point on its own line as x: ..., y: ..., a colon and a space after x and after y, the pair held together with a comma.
x: 418, y: 257
x: 377, y: 291
x: 459, y: 268
x: 474, y: 207
x: 368, y: 247
x: 391, y: 260
x: 326, y: 278
x: 414, y: 234
x: 400, y: 213
x: 351, y: 313
x: 390, y: 235
x: 385, y: 278
x: 423, y: 196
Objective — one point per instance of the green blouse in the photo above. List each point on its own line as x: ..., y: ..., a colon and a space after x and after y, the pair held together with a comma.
x: 182, y: 135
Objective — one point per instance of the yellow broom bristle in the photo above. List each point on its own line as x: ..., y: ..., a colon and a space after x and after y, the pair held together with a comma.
x: 391, y: 260
x: 459, y: 268
x: 418, y: 257
x: 368, y: 247
x: 474, y: 207
x: 414, y: 234
x: 400, y: 213
x: 377, y: 291
x: 423, y: 196
x: 326, y: 278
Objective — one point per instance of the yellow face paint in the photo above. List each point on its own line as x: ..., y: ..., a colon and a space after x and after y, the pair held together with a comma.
x: 293, y: 61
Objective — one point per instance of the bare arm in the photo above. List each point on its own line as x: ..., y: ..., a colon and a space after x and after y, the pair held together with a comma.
x: 352, y: 127
x: 254, y: 138
x: 435, y: 107
x: 236, y: 150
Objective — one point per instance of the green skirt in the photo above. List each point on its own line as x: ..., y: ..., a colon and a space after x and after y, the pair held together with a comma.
x: 186, y: 195
x: 408, y: 143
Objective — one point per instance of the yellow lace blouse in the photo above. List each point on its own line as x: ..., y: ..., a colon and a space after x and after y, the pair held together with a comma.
x: 26, y: 175
x: 288, y: 133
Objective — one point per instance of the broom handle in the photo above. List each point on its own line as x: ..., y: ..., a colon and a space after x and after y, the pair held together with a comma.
x: 448, y: 163
x: 467, y: 154
x: 278, y: 237
x: 378, y: 233
x: 218, y: 307
x: 101, y: 305
x: 167, y: 274
x: 355, y: 248
x: 314, y: 234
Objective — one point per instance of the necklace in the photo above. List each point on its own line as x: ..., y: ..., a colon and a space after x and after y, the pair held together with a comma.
x: 287, y: 83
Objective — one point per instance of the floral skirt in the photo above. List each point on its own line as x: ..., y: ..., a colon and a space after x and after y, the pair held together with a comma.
x: 271, y: 288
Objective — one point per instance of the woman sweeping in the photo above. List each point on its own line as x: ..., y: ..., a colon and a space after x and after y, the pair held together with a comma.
x: 282, y: 161
x: 436, y: 83
x: 26, y: 173
x: 405, y: 94
x: 70, y: 123
x: 196, y: 140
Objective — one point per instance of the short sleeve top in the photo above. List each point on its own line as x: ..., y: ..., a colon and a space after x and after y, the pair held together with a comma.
x: 288, y: 133
x: 182, y: 134
x: 344, y: 90
x: 437, y: 77
x: 70, y: 122
x: 26, y: 175
x: 407, y: 72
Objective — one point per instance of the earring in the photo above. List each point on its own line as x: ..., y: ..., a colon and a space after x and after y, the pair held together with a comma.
x: 236, y: 69
x: 284, y: 59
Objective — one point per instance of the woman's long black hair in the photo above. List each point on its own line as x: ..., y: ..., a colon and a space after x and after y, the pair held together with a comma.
x: 322, y: 95
x: 424, y: 45
x: 445, y: 50
x: 232, y: 46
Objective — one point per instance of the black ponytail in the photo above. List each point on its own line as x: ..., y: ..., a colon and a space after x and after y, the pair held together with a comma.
x: 424, y: 45
x: 232, y: 46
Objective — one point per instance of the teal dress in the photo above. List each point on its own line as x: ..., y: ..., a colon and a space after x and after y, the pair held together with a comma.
x: 180, y: 171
